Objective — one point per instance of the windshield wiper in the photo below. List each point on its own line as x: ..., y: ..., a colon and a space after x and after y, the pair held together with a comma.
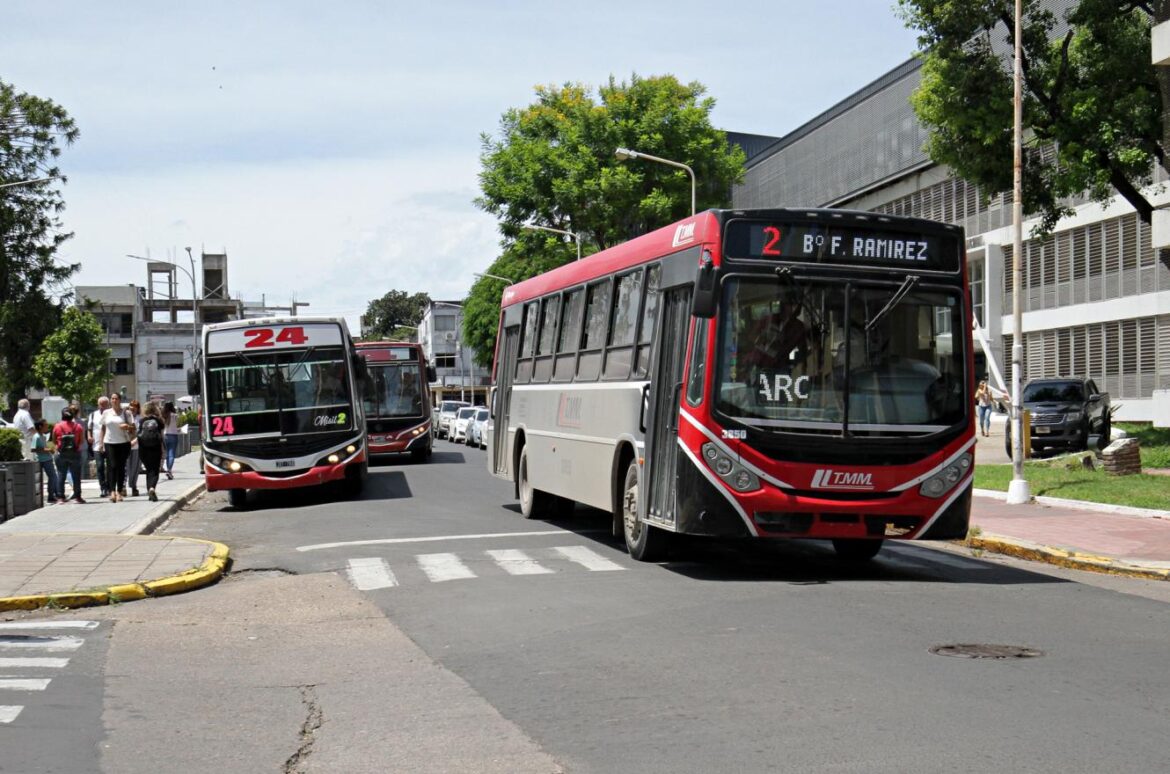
x: 906, y: 286
x: 785, y: 275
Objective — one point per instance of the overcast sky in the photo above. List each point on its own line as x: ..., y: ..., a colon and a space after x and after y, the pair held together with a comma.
x: 331, y: 149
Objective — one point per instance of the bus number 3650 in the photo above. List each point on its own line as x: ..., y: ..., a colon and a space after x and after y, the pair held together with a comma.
x: 737, y: 435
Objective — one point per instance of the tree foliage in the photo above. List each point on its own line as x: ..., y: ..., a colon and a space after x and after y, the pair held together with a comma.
x: 74, y: 360
x: 552, y: 163
x: 1092, y: 108
x: 32, y: 133
x: 392, y: 315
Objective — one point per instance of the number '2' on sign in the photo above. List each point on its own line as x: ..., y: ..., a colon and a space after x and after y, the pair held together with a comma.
x: 222, y: 426
x: 267, y: 337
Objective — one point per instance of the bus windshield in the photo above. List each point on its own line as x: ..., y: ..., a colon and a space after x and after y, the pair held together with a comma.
x: 809, y: 356
x: 286, y: 392
x: 392, y: 390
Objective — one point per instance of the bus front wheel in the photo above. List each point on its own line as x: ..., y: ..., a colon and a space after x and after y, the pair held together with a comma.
x: 857, y: 549
x: 534, y: 504
x: 645, y: 542
x: 238, y: 498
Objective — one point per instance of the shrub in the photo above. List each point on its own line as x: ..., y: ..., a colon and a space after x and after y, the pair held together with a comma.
x: 10, y: 450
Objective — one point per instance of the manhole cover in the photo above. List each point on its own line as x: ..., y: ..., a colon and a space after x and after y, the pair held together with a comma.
x: 983, y: 650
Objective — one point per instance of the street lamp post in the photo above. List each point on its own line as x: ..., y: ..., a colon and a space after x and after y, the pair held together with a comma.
x: 576, y: 237
x: 1018, y: 490
x: 495, y: 277
x: 194, y: 297
x: 625, y: 153
x: 29, y: 182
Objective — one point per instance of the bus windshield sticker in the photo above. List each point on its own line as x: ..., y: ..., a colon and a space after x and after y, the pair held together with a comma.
x: 782, y: 387
x: 839, y: 244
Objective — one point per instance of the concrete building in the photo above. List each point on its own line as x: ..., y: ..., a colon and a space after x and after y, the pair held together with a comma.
x: 1096, y: 292
x: 118, y: 310
x: 440, y: 331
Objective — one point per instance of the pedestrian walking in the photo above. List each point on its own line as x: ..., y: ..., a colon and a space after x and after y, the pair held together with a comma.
x: 132, y: 463
x: 70, y: 438
x: 116, y: 430
x: 84, y: 450
x: 150, y: 446
x: 93, y: 428
x: 43, y: 447
x: 983, y: 403
x: 171, y: 436
x: 23, y: 421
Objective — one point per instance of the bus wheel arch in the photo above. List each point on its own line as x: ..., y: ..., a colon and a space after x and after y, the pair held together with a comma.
x: 534, y: 503
x: 644, y: 541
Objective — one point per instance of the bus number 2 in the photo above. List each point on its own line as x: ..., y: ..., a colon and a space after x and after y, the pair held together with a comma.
x: 773, y: 234
x: 222, y: 426
x: 264, y: 337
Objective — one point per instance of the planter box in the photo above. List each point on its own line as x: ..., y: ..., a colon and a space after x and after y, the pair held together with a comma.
x: 7, y: 507
x: 27, y: 492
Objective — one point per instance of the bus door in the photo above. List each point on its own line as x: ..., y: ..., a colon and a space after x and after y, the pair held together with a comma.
x: 662, y: 416
x: 501, y: 410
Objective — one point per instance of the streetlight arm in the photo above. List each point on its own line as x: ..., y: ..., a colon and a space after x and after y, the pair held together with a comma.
x: 626, y: 153
x: 576, y: 237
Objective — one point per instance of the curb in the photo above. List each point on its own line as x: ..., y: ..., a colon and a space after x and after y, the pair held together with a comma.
x: 149, y: 523
x: 1080, y: 505
x: 1073, y: 560
x: 212, y: 569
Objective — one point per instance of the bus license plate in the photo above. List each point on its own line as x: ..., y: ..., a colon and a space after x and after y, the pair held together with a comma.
x: 285, y: 463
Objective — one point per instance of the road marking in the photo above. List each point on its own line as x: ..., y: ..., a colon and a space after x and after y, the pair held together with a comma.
x: 23, y: 684
x: 516, y: 562
x: 25, y: 642
x: 368, y: 574
x: 49, y: 625
x: 46, y: 663
x: 587, y: 558
x: 8, y: 713
x: 439, y: 538
x: 443, y: 567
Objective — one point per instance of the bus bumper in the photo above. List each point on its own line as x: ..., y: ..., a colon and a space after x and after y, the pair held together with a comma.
x: 383, y: 445
x: 319, y: 474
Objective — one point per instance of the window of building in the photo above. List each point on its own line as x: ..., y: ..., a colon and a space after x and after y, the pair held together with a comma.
x: 169, y: 361
x: 445, y: 323
x: 121, y: 365
x: 444, y: 361
x: 975, y: 278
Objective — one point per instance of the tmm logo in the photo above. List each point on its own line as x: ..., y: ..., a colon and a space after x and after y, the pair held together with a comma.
x: 826, y: 478
x: 684, y: 234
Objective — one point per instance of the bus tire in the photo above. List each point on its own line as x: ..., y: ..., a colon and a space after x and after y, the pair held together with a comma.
x: 355, y: 479
x: 238, y: 499
x: 645, y: 542
x: 420, y: 455
x: 534, y: 504
x: 856, y: 549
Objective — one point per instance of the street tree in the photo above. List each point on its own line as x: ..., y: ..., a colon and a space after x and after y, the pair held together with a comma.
x: 392, y: 315
x: 33, y: 132
x: 1094, y: 107
x: 552, y: 164
x: 73, y: 360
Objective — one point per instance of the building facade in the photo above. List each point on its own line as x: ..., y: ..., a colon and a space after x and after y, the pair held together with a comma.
x: 440, y: 331
x: 1096, y: 293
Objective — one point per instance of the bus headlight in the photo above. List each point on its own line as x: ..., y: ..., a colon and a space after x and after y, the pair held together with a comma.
x: 943, y: 481
x: 350, y: 449
x: 333, y: 459
x: 740, y: 478
x: 235, y: 467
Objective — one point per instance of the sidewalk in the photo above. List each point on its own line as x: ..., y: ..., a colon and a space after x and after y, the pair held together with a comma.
x: 76, y: 554
x: 1071, y: 533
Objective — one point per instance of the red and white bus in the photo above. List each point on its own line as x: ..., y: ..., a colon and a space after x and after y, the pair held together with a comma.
x: 396, y: 398
x: 768, y: 373
x: 281, y: 406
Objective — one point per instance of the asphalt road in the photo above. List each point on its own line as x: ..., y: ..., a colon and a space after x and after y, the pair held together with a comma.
x: 429, y: 627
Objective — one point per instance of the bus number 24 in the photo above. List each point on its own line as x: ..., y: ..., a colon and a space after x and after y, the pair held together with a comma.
x: 222, y: 426
x: 266, y: 337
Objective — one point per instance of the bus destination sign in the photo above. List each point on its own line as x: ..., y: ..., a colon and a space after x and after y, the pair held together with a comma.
x: 839, y: 244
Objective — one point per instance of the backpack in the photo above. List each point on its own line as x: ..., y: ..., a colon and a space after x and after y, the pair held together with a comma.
x: 150, y: 432
x: 68, y: 443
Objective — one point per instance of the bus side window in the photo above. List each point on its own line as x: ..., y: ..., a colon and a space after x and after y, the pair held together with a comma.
x: 527, y: 342
x: 697, y: 370
x: 542, y: 370
x: 623, y: 325
x: 596, y: 317
x: 570, y: 335
x: 648, y: 319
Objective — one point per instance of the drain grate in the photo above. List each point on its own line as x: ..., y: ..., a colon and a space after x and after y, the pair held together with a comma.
x: 985, y: 650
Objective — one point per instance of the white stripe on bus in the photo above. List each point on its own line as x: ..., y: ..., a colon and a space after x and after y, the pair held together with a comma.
x: 946, y: 504
x: 720, y: 487
x: 728, y: 451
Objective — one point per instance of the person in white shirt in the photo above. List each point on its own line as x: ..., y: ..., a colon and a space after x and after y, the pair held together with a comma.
x: 93, y: 430
x: 23, y: 421
x: 117, y: 430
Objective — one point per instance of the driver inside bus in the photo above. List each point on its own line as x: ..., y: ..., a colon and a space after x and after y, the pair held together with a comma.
x: 778, y: 340
x: 409, y: 401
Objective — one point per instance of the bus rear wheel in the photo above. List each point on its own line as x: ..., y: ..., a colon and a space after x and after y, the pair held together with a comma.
x: 238, y: 498
x: 534, y: 504
x: 645, y: 542
x: 857, y: 549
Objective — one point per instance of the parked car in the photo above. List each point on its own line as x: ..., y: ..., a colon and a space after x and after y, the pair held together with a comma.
x: 459, y: 425
x: 447, y: 411
x: 1066, y: 413
x: 477, y: 430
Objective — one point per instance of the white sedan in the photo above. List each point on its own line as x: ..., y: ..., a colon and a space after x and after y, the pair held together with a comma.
x: 459, y: 425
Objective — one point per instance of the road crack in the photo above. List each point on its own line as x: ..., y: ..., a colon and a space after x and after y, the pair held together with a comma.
x: 313, y: 720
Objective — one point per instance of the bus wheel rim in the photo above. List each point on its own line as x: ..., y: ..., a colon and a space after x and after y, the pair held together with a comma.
x: 630, y: 512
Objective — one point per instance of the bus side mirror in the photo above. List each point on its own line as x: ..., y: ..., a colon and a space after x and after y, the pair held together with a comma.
x: 703, y: 303
x: 432, y: 375
x: 193, y: 381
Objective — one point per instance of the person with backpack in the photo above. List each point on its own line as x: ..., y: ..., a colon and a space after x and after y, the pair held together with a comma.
x: 150, y: 446
x: 70, y: 438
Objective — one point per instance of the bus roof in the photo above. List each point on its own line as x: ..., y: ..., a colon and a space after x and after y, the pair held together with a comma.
x: 265, y: 322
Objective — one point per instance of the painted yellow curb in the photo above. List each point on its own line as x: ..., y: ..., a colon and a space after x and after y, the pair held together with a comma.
x: 209, y: 572
x: 1061, y: 557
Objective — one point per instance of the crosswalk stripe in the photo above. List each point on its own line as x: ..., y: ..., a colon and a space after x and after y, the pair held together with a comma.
x: 367, y: 574
x: 49, y: 625
x: 443, y: 567
x: 8, y: 713
x: 587, y: 558
x: 23, y: 684
x: 516, y: 562
x: 44, y: 663
x: 24, y: 642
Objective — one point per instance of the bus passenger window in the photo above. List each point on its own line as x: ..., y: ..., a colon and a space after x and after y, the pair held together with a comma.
x: 596, y: 316
x: 697, y: 370
x: 569, y: 337
x: 542, y: 368
x: 649, y: 317
x: 527, y: 342
x: 621, y: 329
